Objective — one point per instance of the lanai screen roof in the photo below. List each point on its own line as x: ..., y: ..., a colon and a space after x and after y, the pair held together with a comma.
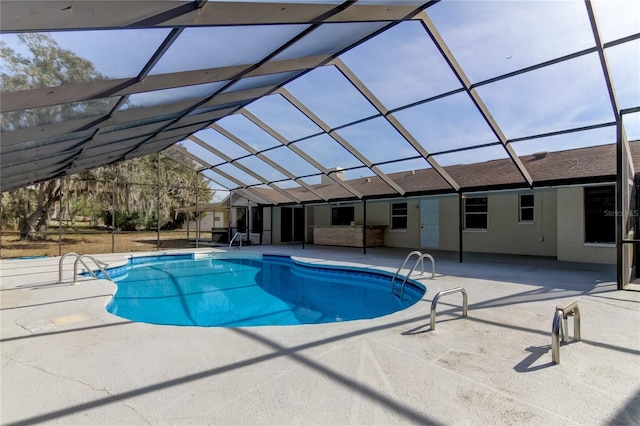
x: 287, y: 102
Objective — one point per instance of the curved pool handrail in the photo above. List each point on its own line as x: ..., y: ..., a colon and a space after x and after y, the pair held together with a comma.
x: 95, y: 261
x: 61, y: 261
x: 406, y: 259
x: 420, y: 260
x: 434, y: 303
x: 560, y: 327
x: 233, y: 239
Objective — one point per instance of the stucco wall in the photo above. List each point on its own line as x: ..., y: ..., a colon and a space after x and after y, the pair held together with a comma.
x: 571, y: 246
x: 378, y: 213
x: 557, y: 229
x: 267, y: 235
x: 276, y: 233
x: 321, y: 214
x: 448, y: 223
x: 505, y: 234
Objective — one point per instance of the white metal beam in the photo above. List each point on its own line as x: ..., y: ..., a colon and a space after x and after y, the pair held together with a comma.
x: 393, y: 121
x: 473, y: 93
x: 56, y: 15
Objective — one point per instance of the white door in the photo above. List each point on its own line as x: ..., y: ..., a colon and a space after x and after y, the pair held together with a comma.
x: 429, y: 223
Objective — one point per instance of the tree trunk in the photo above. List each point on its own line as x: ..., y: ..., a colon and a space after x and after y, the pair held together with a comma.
x: 27, y: 223
x: 48, y: 194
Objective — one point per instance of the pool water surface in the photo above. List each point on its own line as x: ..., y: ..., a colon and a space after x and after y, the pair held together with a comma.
x: 259, y: 290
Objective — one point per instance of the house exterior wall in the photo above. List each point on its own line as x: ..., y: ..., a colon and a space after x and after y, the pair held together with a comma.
x: 267, y: 234
x: 449, y: 223
x: 571, y: 245
x: 505, y: 234
x: 556, y: 231
x: 207, y: 223
x: 309, y: 221
x: 321, y: 214
x: 379, y: 213
x: 276, y: 230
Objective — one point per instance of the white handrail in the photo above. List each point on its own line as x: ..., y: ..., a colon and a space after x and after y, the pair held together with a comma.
x: 233, y: 239
x: 98, y: 264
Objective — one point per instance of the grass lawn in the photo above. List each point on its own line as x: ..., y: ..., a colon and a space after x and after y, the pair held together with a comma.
x: 90, y: 241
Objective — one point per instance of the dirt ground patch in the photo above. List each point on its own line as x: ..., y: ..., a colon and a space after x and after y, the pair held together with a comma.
x: 92, y: 242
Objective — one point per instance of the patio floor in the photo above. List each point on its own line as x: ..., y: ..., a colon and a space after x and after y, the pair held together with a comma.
x: 65, y: 360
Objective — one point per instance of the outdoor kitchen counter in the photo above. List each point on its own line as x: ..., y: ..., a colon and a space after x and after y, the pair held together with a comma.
x: 348, y: 235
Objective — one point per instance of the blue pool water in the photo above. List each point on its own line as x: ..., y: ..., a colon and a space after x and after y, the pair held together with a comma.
x: 261, y: 290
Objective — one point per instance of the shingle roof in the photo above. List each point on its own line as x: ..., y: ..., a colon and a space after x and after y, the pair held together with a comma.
x: 583, y: 165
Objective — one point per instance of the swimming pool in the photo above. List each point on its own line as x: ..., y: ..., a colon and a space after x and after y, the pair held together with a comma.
x: 251, y: 290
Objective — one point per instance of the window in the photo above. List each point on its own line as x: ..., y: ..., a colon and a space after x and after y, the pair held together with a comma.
x: 475, y: 213
x: 342, y: 215
x: 256, y: 219
x: 526, y: 208
x: 600, y: 214
x: 241, y: 222
x: 399, y: 216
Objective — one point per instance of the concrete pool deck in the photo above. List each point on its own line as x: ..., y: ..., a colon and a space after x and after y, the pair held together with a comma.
x: 65, y: 360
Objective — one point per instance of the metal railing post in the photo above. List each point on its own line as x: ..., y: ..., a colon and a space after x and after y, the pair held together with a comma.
x: 560, y: 327
x: 434, y: 303
x: 60, y: 264
x: 420, y: 260
x: 237, y: 234
x: 99, y: 264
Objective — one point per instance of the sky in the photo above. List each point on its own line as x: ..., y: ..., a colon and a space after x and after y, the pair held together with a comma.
x: 402, y: 67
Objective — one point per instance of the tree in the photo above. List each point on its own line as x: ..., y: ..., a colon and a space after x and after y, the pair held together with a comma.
x: 47, y: 64
x: 32, y: 205
x: 133, y: 183
x: 135, y: 186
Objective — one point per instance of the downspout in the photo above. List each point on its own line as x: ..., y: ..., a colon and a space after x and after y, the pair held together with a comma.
x: 60, y: 217
x: 620, y: 183
x: 461, y: 198
x: 158, y: 206
x: 197, y: 214
x: 113, y: 217
x: 229, y: 218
